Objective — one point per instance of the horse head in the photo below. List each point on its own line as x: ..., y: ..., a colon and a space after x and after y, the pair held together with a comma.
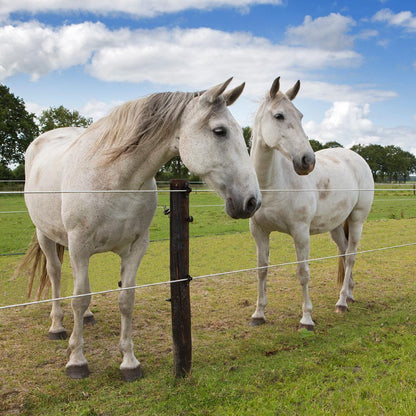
x: 211, y: 145
x: 280, y: 124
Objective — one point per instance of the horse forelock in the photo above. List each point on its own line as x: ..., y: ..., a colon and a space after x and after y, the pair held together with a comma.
x: 141, y: 123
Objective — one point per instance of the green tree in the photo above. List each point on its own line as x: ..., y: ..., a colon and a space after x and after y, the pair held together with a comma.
x: 316, y: 145
x: 56, y: 117
x: 5, y: 172
x: 375, y: 156
x: 331, y: 144
x: 17, y: 127
x: 19, y: 172
x: 247, y: 132
x: 399, y: 163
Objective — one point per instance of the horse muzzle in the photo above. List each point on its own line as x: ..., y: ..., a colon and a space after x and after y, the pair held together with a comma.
x: 242, y: 208
x: 305, y: 165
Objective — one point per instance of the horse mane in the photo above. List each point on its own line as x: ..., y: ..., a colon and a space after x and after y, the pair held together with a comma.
x: 139, y: 123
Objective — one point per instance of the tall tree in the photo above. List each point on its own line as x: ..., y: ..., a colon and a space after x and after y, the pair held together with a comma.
x: 56, y: 117
x: 17, y: 127
x: 247, y: 132
x: 375, y: 156
x: 316, y: 145
x: 332, y: 144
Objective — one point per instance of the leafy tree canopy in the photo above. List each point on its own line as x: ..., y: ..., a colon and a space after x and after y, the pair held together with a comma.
x: 56, y: 117
x: 17, y: 127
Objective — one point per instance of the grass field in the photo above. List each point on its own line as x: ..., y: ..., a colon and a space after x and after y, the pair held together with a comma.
x: 361, y: 363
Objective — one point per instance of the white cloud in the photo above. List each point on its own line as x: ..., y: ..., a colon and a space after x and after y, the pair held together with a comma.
x: 98, y: 109
x: 349, y: 124
x: 328, y: 32
x: 36, y: 49
x: 140, y: 8
x: 403, y: 19
x: 360, y: 94
x: 344, y: 121
x: 34, y: 108
x: 197, y: 56
x: 191, y: 57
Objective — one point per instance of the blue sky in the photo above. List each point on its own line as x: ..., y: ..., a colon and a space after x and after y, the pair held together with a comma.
x: 356, y: 59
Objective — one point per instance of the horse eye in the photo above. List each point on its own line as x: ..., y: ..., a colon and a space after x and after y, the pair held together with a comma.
x: 220, y: 131
x: 279, y: 116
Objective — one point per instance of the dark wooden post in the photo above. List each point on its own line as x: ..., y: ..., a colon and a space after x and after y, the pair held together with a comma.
x: 179, y: 269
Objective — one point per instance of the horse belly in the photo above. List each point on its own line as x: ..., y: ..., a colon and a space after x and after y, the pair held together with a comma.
x: 108, y: 222
x: 330, y: 215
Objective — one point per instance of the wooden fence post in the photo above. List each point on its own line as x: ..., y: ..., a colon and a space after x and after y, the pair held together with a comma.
x: 179, y: 269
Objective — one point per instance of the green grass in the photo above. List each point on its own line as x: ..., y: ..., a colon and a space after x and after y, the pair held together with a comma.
x: 360, y: 363
x: 206, y: 208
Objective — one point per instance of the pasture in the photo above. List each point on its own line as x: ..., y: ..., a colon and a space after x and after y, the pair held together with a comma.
x: 361, y: 363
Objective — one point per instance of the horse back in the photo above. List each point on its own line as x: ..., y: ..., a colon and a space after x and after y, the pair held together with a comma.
x: 46, y: 154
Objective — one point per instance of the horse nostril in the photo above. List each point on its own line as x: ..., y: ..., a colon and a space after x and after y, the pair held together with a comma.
x: 308, y: 161
x: 251, y: 205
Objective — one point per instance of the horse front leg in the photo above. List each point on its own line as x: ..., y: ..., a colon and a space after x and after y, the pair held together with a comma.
x: 130, y: 260
x: 77, y: 366
x: 302, y: 242
x: 262, y: 240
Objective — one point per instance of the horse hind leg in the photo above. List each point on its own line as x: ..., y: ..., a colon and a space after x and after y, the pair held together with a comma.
x: 54, y: 254
x: 353, y: 236
x: 302, y: 243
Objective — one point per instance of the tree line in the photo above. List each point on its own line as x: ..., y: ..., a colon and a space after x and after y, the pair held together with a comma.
x: 18, y: 128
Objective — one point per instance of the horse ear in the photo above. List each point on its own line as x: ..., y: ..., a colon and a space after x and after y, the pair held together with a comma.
x: 231, y: 96
x: 275, y: 88
x: 293, y: 92
x: 209, y: 96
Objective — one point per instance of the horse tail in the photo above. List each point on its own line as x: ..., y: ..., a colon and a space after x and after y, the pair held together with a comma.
x: 34, y: 262
x: 341, y: 264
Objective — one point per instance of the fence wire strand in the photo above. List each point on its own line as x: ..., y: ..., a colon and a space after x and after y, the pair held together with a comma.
x: 206, y: 276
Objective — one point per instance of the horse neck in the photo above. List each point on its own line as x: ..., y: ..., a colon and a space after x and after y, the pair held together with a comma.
x: 267, y: 163
x: 131, y: 170
x: 139, y: 167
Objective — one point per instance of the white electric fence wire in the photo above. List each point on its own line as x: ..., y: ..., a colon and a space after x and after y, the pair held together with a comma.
x: 204, y: 276
x: 137, y: 191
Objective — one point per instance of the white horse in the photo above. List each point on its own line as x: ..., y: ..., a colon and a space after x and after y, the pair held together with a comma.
x: 124, y: 151
x: 335, y: 196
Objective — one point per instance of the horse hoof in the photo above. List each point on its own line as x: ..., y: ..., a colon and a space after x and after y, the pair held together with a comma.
x: 78, y: 372
x: 131, y: 374
x: 89, y: 320
x: 350, y: 300
x: 257, y: 321
x: 308, y: 327
x: 58, y: 335
x: 341, y: 309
